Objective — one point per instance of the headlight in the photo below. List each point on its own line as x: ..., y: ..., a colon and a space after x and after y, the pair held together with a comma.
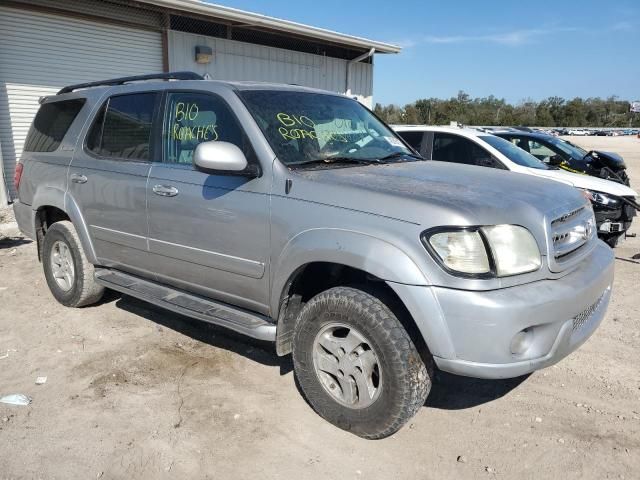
x: 514, y: 249
x: 499, y: 250
x: 604, y: 199
x: 462, y: 251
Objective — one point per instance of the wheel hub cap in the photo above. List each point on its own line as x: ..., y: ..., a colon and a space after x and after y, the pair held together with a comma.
x: 62, y: 265
x: 347, y: 366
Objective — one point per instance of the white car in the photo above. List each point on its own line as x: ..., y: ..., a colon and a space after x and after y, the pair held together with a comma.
x: 579, y: 132
x: 475, y: 147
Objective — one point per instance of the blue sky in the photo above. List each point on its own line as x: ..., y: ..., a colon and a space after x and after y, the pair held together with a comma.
x: 510, y: 49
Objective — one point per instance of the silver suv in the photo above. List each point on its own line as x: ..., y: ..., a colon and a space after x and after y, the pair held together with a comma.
x: 295, y: 216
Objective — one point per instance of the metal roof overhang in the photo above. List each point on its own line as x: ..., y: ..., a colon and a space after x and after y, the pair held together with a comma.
x: 249, y: 19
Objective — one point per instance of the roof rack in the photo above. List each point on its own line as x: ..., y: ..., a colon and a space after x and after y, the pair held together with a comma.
x: 136, y: 78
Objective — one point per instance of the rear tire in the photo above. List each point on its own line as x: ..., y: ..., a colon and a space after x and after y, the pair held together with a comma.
x: 69, y: 275
x: 357, y: 365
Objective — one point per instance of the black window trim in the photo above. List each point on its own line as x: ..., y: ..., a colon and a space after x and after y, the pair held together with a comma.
x: 84, y: 103
x: 162, y: 117
x: 152, y: 140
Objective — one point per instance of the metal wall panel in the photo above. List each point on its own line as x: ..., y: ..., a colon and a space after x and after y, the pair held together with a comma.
x: 40, y: 53
x: 233, y: 60
x: 112, y: 10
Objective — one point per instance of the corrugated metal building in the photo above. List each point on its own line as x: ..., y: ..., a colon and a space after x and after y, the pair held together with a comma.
x: 47, y: 44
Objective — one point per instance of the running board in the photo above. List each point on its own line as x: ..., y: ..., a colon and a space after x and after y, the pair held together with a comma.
x: 241, y: 321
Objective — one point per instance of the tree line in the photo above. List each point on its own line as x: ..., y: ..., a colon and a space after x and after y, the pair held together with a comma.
x: 550, y: 112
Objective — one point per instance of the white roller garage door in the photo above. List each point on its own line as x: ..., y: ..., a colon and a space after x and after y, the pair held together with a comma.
x: 40, y: 53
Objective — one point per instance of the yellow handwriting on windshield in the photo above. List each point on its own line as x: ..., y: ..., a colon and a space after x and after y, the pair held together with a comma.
x: 301, y: 126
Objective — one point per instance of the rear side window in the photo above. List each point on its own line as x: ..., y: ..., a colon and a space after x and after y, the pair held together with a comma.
x: 51, y: 125
x: 122, y: 129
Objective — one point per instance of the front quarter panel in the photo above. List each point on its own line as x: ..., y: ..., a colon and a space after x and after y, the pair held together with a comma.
x: 346, y: 247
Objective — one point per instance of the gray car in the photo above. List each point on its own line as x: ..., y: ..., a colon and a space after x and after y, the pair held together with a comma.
x: 295, y: 216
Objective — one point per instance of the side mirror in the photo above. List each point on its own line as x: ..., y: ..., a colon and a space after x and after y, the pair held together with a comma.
x: 223, y: 157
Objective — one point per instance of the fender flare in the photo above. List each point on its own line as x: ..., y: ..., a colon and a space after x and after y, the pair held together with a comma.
x: 56, y: 197
x: 344, y: 247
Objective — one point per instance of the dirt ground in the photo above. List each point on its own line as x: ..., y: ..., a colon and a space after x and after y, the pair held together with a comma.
x: 135, y: 392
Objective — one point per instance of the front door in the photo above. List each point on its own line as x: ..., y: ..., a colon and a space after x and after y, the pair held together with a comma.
x: 108, y: 177
x: 208, y: 231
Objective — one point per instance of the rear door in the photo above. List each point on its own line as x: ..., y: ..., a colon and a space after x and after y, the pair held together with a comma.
x: 208, y: 231
x: 108, y: 179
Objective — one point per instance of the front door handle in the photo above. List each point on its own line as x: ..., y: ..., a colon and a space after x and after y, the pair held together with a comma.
x: 165, y: 190
x: 77, y: 178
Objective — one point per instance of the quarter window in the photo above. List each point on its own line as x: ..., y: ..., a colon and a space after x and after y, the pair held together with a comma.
x: 193, y: 118
x: 123, y: 127
x: 51, y: 125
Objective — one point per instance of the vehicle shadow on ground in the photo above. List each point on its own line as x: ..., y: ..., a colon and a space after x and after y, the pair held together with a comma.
x: 11, y: 242
x: 219, y: 337
x: 453, y: 392
x: 448, y: 392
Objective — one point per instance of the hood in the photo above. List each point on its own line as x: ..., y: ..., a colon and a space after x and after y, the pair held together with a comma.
x: 586, y: 182
x: 438, y: 193
x: 610, y: 159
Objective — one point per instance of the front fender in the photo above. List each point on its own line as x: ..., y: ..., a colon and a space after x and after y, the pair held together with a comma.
x: 345, y: 247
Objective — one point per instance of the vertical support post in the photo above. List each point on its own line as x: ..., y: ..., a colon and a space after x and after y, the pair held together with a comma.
x: 166, y: 24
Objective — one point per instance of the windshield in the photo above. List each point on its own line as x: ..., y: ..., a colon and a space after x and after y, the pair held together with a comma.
x: 513, y: 153
x: 309, y: 127
x: 569, y: 148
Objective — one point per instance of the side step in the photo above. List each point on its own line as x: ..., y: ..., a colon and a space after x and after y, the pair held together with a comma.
x: 241, y: 321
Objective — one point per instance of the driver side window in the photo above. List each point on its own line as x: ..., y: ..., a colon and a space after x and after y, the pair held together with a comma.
x: 192, y: 118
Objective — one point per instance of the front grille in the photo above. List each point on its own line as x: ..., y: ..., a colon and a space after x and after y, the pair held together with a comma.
x: 566, y: 216
x: 583, y: 317
x: 570, y: 232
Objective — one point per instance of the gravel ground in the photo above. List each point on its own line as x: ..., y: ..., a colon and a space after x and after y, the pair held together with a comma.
x: 134, y: 392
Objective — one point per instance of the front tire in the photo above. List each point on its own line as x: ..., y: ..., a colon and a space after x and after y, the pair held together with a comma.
x: 357, y: 365
x: 69, y: 275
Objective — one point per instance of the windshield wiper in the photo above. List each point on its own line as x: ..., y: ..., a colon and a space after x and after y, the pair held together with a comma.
x: 331, y: 160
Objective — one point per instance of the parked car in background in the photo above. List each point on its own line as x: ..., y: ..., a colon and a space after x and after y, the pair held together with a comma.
x: 612, y: 202
x: 294, y: 215
x: 579, y: 132
x: 568, y: 156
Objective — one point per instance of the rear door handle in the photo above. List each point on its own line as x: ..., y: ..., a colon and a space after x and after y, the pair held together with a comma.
x: 165, y: 190
x: 77, y: 178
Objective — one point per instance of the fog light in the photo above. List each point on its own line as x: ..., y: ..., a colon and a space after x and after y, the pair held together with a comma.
x: 521, y: 341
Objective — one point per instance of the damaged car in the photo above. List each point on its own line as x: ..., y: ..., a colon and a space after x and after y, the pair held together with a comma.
x: 567, y: 156
x: 614, y: 203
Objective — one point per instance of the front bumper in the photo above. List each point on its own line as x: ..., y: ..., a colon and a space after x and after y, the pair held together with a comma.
x: 613, y: 221
x: 471, y: 332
